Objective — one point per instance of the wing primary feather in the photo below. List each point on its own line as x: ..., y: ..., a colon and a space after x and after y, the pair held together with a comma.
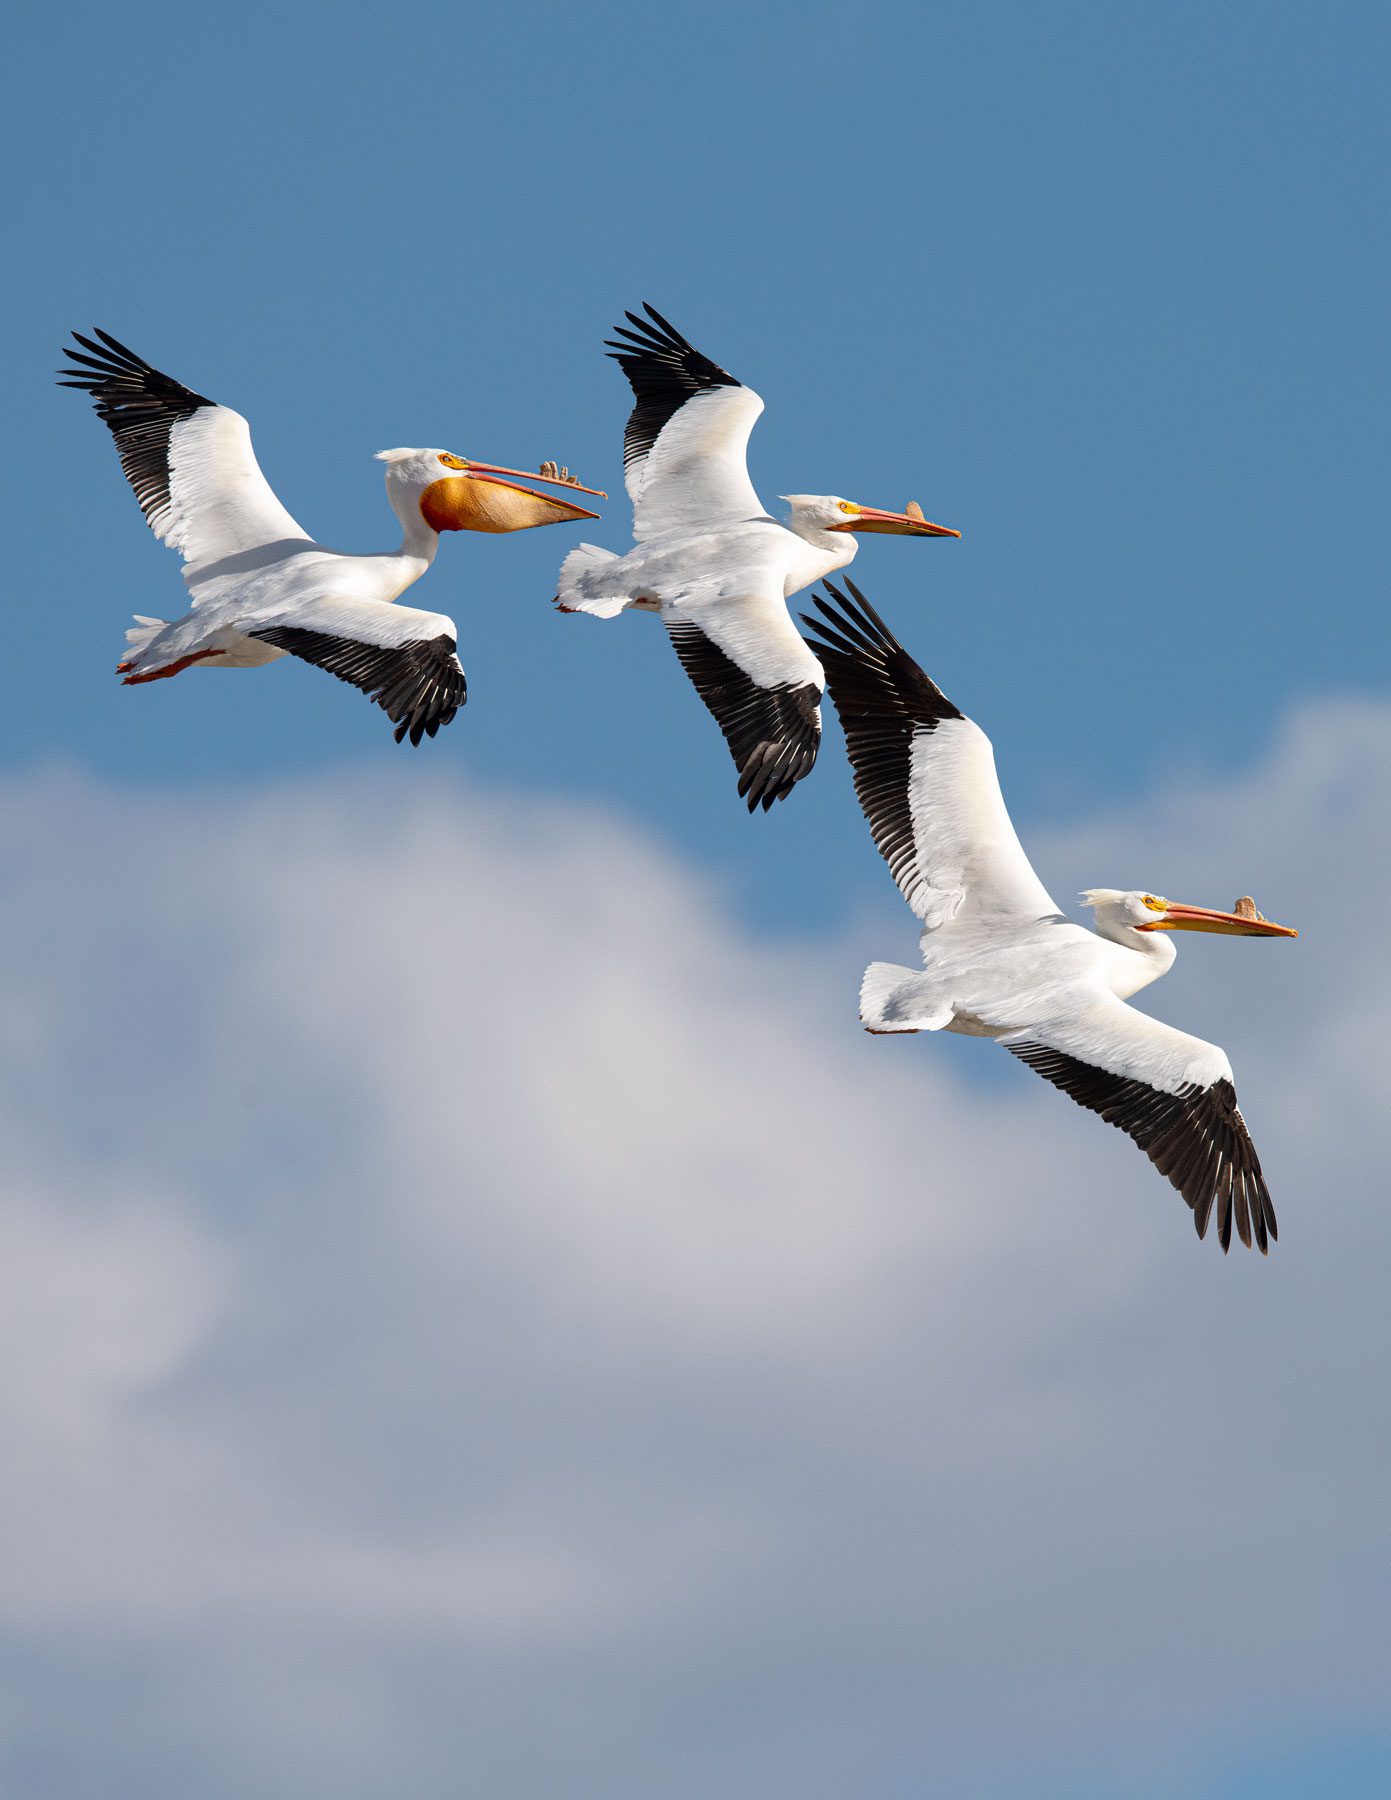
x: 140, y: 406
x: 1224, y: 1206
x: 1258, y: 1216
x: 664, y: 371
x: 118, y: 379
x: 872, y: 677
x: 1242, y: 1211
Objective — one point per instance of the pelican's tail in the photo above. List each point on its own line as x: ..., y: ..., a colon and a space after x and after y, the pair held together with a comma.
x: 588, y: 586
x: 893, y: 998
x: 140, y: 636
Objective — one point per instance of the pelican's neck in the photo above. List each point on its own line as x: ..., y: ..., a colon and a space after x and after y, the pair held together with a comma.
x: 1145, y: 955
x: 821, y: 553
x: 418, y: 540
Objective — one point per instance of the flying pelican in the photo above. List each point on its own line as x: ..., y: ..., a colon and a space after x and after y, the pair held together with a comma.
x: 1001, y: 961
x: 713, y: 563
x: 262, y: 588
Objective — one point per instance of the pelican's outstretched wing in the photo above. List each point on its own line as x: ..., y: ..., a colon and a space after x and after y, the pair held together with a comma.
x: 924, y: 773
x: 188, y: 459
x: 687, y: 435
x: 1172, y: 1094
x: 761, y: 684
x: 401, y: 658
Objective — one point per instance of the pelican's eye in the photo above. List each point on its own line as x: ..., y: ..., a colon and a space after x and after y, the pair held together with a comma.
x: 452, y: 462
x: 848, y: 506
x: 1153, y: 904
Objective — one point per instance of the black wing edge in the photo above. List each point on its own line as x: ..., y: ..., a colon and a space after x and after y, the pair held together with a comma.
x: 1197, y: 1138
x: 418, y: 685
x: 773, y: 733
x: 664, y: 371
x: 870, y: 674
x: 140, y: 405
x: 883, y: 700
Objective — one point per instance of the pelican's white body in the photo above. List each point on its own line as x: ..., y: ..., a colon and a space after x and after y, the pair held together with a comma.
x: 707, y: 550
x: 248, y: 564
x: 999, y: 959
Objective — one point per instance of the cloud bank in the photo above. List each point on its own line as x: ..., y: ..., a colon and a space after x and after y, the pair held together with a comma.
x: 477, y: 1322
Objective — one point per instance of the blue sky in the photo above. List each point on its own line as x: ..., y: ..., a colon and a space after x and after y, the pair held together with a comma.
x: 1101, y: 286
x: 1104, y: 287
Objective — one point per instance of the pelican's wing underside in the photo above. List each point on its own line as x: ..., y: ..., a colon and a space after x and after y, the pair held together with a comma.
x: 761, y: 686
x: 684, y: 448
x: 1172, y: 1094
x: 189, y: 460
x: 402, y: 659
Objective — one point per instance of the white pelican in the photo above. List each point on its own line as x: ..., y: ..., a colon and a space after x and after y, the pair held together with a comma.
x: 1001, y: 961
x: 713, y: 563
x: 261, y: 586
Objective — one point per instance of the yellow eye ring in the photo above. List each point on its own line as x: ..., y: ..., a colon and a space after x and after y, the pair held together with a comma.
x: 847, y: 506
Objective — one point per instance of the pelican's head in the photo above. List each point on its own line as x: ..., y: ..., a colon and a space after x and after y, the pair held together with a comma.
x: 453, y: 493
x: 828, y: 512
x: 1119, y: 911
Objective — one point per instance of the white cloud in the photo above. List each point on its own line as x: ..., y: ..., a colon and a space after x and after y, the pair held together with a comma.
x: 472, y: 1322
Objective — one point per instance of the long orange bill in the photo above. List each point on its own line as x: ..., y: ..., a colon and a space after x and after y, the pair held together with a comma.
x: 901, y: 524
x: 1203, y: 918
x: 482, y: 468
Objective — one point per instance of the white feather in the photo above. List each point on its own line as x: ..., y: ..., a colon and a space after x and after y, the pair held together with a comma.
x: 968, y: 858
x: 893, y: 998
x: 219, y: 503
x: 1110, y: 1035
x: 696, y: 474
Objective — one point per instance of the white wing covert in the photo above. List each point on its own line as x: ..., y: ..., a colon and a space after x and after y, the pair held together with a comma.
x: 685, y: 445
x: 924, y: 774
x: 1172, y: 1094
x: 188, y: 460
